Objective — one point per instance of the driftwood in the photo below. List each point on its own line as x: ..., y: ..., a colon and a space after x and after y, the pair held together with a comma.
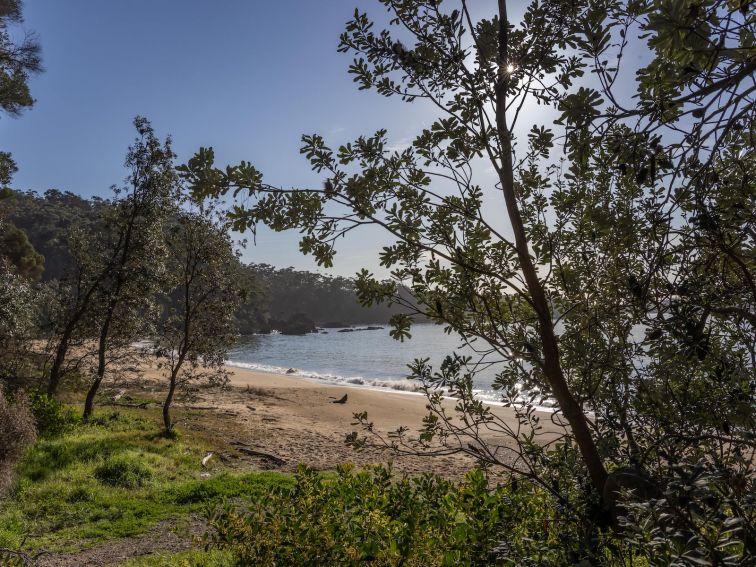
x: 278, y: 461
x: 206, y: 458
x: 143, y: 405
x: 202, y: 407
x: 244, y: 448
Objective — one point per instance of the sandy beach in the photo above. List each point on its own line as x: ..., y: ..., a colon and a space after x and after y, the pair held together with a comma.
x: 273, y: 421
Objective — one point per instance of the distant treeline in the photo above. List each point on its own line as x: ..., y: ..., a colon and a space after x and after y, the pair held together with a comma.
x: 283, y: 299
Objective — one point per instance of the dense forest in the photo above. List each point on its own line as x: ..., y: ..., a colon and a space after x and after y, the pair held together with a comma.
x: 279, y: 299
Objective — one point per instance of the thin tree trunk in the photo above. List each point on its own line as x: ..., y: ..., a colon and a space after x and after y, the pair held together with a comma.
x: 167, y: 404
x: 56, y: 372
x: 551, y: 362
x: 89, y: 403
x: 101, y: 365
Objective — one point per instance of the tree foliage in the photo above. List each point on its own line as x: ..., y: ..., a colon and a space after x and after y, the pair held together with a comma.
x: 129, y: 255
x: 198, y: 326
x: 48, y: 220
x: 109, y: 290
x: 18, y: 61
x: 16, y: 248
x: 623, y: 283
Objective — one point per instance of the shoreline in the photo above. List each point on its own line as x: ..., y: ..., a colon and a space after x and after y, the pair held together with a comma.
x: 372, y: 384
x: 295, y: 421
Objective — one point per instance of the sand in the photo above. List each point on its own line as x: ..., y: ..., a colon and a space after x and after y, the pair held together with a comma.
x: 272, y: 421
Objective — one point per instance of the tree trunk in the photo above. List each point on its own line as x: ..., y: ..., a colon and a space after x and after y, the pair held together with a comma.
x: 56, y: 372
x: 167, y: 404
x: 551, y: 363
x: 89, y: 403
x: 101, y: 364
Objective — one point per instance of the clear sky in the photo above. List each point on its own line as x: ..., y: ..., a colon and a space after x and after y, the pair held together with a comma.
x: 247, y: 77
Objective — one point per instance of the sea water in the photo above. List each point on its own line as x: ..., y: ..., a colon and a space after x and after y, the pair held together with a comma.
x: 367, y: 358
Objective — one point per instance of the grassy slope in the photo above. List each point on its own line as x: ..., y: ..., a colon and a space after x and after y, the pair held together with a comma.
x: 116, y: 477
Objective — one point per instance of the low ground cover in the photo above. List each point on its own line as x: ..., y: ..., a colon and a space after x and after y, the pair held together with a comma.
x: 116, y: 477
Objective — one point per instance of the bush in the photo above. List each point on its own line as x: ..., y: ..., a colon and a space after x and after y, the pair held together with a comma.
x: 369, y: 517
x: 706, y: 515
x: 122, y: 472
x: 366, y: 517
x: 17, y: 433
x: 51, y: 416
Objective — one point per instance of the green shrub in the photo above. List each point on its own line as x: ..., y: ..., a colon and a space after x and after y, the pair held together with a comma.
x: 704, y: 516
x: 367, y: 516
x: 123, y: 473
x: 52, y: 417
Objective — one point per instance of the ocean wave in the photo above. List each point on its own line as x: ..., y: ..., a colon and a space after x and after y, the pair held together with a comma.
x: 398, y: 385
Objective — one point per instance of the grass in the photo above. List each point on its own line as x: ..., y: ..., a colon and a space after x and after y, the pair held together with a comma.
x: 116, y: 477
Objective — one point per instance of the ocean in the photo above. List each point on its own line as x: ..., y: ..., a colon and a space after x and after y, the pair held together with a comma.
x: 361, y: 358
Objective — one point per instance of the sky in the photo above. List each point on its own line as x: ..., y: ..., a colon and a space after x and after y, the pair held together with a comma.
x: 245, y: 77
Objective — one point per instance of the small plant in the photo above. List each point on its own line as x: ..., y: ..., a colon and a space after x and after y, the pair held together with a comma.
x: 123, y: 473
x: 51, y: 416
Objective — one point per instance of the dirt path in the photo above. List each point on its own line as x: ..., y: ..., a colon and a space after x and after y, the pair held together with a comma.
x: 162, y: 538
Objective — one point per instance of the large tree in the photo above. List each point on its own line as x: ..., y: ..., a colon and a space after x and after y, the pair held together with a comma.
x: 131, y: 254
x: 118, y: 265
x: 621, y: 283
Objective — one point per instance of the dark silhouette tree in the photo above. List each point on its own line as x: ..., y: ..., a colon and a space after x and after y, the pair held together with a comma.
x: 622, y: 283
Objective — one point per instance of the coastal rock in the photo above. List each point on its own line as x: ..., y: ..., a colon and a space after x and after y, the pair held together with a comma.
x: 299, y: 324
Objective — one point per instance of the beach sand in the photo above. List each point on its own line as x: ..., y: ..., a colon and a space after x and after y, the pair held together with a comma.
x: 271, y: 421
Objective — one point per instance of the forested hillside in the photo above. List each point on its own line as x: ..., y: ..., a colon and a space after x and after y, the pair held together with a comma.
x: 276, y: 298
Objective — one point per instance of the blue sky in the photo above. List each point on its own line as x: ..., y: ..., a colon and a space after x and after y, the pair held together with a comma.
x: 246, y: 77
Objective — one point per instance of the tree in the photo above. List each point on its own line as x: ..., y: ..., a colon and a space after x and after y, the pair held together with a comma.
x: 623, y: 284
x: 118, y: 267
x: 16, y: 248
x: 132, y: 265
x: 18, y: 60
x: 198, y: 327
x: 47, y: 221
